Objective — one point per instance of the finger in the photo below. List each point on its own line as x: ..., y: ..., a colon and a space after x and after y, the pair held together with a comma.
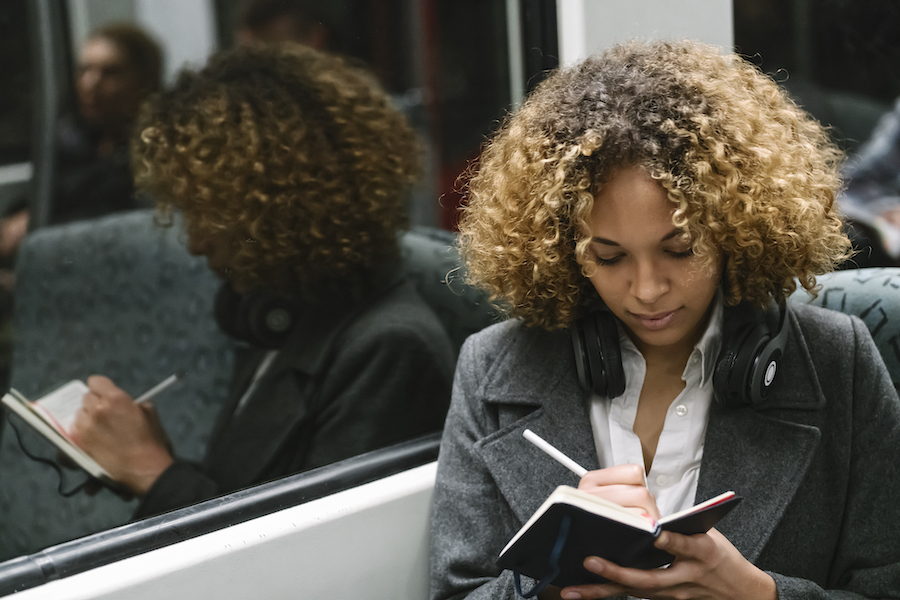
x: 602, y: 590
x: 632, y: 496
x: 685, y: 546
x: 628, y: 474
x: 90, y: 400
x: 103, y: 386
x: 99, y: 383
x: 640, y: 583
x: 635, y: 497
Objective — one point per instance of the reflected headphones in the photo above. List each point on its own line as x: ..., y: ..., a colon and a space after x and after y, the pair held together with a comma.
x: 745, y: 368
x: 260, y: 317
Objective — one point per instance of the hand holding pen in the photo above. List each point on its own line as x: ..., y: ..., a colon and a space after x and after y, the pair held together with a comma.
x: 623, y: 484
x: 122, y: 434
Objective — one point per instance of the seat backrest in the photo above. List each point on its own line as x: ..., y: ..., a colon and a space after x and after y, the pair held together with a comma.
x: 873, y: 295
x: 432, y: 263
x: 119, y: 296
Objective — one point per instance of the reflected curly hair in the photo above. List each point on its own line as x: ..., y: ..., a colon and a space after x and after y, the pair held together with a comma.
x: 749, y: 174
x: 292, y: 158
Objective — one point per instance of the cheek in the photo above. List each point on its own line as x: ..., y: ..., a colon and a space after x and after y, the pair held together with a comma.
x: 609, y: 286
x: 698, y: 282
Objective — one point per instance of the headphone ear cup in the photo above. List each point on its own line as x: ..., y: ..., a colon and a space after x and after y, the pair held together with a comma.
x: 611, y: 353
x: 261, y: 317
x: 226, y: 309
x: 269, y: 318
x: 579, y: 346
x: 598, y: 358
x: 748, y: 361
x: 765, y: 363
x: 729, y: 384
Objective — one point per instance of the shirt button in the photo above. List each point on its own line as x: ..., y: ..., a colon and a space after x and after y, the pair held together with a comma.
x: 681, y: 410
x: 662, y: 480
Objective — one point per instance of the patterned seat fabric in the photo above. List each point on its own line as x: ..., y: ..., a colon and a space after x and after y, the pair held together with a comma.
x: 432, y: 264
x: 873, y: 295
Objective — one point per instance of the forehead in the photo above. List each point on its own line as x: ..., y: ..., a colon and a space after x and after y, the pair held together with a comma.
x: 631, y: 204
x: 100, y: 51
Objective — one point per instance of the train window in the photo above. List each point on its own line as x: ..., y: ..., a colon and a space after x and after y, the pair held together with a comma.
x: 445, y: 64
x: 838, y: 59
x: 16, y: 104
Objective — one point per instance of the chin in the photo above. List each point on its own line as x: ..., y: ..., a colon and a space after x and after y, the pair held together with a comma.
x: 661, y: 339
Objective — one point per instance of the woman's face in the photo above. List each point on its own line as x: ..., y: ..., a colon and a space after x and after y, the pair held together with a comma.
x: 646, y: 272
x: 108, y: 86
x: 219, y: 251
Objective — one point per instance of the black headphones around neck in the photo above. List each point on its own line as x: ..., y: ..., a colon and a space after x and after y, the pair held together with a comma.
x: 753, y: 342
x: 260, y: 317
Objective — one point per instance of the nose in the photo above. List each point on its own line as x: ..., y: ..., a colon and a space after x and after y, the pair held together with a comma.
x: 649, y: 282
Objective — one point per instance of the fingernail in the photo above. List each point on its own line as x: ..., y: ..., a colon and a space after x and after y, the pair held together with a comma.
x: 573, y: 595
x: 663, y: 539
x: 594, y: 564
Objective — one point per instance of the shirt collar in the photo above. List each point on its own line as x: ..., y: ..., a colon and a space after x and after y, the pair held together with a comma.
x: 711, y: 342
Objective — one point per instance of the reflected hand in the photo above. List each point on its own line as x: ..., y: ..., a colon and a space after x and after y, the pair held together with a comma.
x: 622, y: 484
x: 12, y: 231
x: 706, y: 566
x: 124, y: 437
x: 892, y: 216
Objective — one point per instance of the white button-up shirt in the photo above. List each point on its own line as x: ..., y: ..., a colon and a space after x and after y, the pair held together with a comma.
x: 676, y: 466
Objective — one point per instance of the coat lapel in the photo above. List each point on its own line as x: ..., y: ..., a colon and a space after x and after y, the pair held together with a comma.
x: 554, y: 407
x: 763, y: 459
x: 763, y: 454
x: 283, y: 399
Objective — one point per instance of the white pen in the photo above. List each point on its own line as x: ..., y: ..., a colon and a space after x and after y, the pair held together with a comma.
x: 554, y: 453
x: 156, y: 389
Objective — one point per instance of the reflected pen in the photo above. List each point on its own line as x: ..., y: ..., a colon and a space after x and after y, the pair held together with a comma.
x: 159, y: 387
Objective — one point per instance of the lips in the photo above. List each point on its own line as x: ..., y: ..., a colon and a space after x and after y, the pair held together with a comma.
x: 658, y: 320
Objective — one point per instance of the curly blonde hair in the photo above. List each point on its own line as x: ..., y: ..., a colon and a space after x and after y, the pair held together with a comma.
x: 292, y: 157
x: 749, y: 173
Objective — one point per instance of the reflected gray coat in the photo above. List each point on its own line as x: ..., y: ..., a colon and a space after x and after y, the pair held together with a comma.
x: 818, y: 465
x: 351, y: 378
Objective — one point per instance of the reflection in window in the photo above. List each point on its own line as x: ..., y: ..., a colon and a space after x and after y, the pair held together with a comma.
x: 838, y: 58
x: 15, y: 84
x: 445, y: 65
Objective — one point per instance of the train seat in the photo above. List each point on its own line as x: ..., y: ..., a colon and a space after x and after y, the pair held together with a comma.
x: 873, y: 295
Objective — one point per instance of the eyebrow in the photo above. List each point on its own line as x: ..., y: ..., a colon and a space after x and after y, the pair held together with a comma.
x: 606, y: 242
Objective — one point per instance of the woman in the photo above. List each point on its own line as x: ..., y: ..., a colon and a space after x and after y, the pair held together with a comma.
x: 651, y: 208
x: 289, y: 169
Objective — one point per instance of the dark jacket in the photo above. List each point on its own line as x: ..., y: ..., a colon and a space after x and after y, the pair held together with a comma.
x: 350, y: 378
x: 818, y: 464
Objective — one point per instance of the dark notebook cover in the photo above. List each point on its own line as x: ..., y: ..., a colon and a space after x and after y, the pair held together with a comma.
x: 591, y: 534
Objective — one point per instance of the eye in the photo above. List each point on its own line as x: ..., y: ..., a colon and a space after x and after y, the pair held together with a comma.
x: 607, y: 261
x: 681, y: 254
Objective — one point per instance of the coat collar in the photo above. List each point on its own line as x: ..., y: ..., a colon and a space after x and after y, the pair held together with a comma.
x: 761, y: 453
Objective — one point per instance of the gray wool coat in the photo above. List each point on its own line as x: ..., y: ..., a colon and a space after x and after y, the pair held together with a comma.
x: 818, y: 465
x: 350, y: 378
